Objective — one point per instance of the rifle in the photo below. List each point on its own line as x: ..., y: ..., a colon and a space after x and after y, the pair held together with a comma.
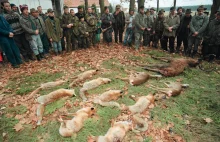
x: 104, y: 30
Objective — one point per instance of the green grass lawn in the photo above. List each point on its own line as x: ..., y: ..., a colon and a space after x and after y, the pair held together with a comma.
x: 187, y: 111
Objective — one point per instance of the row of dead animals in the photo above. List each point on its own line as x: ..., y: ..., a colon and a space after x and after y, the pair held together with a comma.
x: 69, y: 127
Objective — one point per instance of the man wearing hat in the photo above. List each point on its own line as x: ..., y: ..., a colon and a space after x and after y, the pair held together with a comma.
x: 42, y: 29
x: 31, y: 32
x: 119, y: 24
x: 54, y: 32
x: 13, y: 18
x: 92, y: 22
x: 148, y: 33
x: 183, y: 31
x: 158, y: 29
x: 80, y: 12
x: 107, y: 22
x: 140, y: 26
x: 211, y: 42
x: 83, y: 33
x: 198, y: 25
x: 66, y: 28
x: 171, y: 24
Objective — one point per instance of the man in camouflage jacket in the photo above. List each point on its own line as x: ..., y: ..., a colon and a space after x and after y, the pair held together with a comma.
x: 84, y: 34
x: 74, y: 20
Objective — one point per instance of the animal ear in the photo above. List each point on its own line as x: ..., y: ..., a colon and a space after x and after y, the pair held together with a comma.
x: 92, y: 108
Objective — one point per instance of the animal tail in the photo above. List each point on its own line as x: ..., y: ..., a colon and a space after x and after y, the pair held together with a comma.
x: 142, y: 125
x: 155, y: 76
x: 33, y: 93
x: 109, y: 104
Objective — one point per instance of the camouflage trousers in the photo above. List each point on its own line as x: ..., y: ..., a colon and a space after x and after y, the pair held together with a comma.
x: 84, y: 42
x: 92, y: 37
x: 138, y: 38
x: 67, y: 34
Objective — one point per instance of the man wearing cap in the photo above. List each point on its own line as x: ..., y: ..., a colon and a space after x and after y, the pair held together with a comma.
x: 54, y: 32
x: 66, y: 28
x: 80, y: 12
x: 171, y: 23
x: 147, y: 35
x: 119, y: 24
x: 83, y: 34
x: 31, y: 32
x: 183, y: 31
x: 211, y: 42
x: 158, y: 29
x: 42, y: 29
x: 107, y: 21
x: 153, y: 14
x: 92, y: 22
x: 129, y: 20
x: 13, y: 18
x: 198, y: 25
x: 44, y: 16
x: 74, y: 20
x: 140, y: 26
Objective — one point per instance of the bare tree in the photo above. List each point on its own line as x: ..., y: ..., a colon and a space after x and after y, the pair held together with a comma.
x: 86, y: 4
x: 158, y: 6
x: 132, y: 4
x: 141, y: 3
x: 101, y: 3
x: 174, y: 3
x: 215, y: 7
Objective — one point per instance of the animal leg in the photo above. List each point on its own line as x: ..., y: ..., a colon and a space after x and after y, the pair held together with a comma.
x: 40, y: 112
x: 165, y: 59
x: 155, y: 76
x: 123, y: 79
x: 152, y: 69
x: 82, y: 94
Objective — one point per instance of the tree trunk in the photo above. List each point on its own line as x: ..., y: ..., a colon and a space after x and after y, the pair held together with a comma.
x: 57, y: 7
x: 86, y: 5
x: 174, y: 4
x: 132, y: 3
x: 140, y: 3
x: 214, y: 8
x: 101, y: 3
x: 158, y: 6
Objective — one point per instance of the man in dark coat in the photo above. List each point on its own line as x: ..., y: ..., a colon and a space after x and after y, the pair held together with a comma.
x: 211, y: 42
x: 80, y: 12
x: 119, y: 24
x: 183, y: 31
x: 8, y: 44
x: 107, y: 21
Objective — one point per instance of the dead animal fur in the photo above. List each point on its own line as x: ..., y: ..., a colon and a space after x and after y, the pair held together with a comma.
x: 138, y: 78
x: 175, y: 67
x: 116, y: 133
x: 82, y: 77
x: 108, y: 98
x: 140, y: 124
x: 142, y: 103
x: 45, y: 86
x: 92, y: 85
x: 51, y: 97
x: 174, y: 88
x: 70, y: 127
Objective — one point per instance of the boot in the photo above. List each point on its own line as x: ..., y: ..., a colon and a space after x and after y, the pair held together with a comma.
x: 177, y: 49
x: 193, y: 54
x: 38, y: 57
x: 31, y: 58
x: 42, y: 55
x: 26, y: 59
x: 15, y: 66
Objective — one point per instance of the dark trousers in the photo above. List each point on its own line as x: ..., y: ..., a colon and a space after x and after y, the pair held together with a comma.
x: 171, y: 43
x: 146, y: 38
x: 118, y: 34
x: 209, y: 49
x: 23, y: 45
x: 107, y: 36
x: 128, y: 37
x: 63, y: 43
x: 157, y: 38
x: 84, y: 42
x: 75, y: 43
x: 45, y: 43
x: 11, y: 50
x: 182, y: 38
x: 193, y: 41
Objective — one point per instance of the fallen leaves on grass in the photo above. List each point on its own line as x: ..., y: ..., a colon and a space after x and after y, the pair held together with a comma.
x: 208, y: 120
x: 18, y: 127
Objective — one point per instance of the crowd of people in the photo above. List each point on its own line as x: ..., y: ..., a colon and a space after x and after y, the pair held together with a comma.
x: 33, y: 34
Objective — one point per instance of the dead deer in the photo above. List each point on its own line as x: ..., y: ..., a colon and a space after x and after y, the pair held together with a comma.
x: 174, y: 68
